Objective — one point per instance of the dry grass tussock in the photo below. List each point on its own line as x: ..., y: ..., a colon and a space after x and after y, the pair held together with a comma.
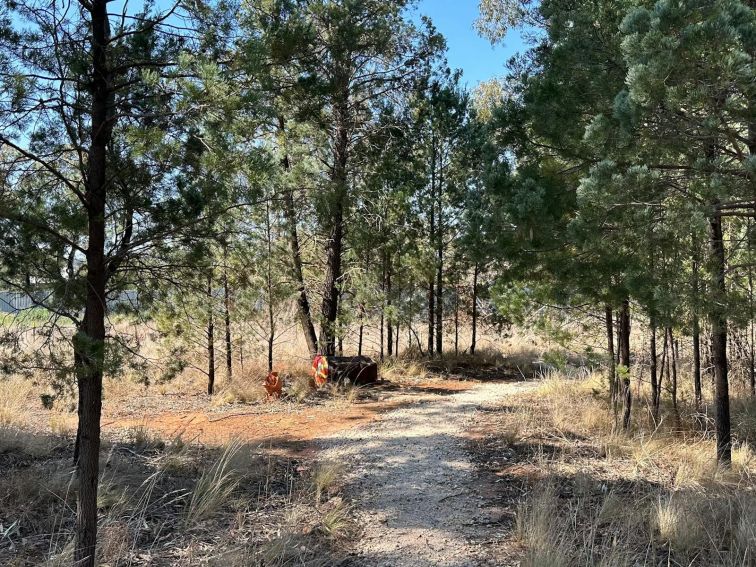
x: 488, y: 362
x: 169, y: 502
x: 600, y: 497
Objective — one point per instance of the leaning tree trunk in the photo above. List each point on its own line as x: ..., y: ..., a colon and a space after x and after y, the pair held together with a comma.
x: 334, y: 242
x: 89, y: 342
x: 290, y: 216
x: 718, y: 322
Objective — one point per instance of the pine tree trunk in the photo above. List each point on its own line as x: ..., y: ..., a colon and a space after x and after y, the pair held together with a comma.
x: 751, y: 333
x: 269, y: 285
x: 210, y: 339
x: 697, y: 392
x: 290, y: 216
x: 361, y: 332
x: 383, y: 323
x: 609, y: 321
x: 396, y: 345
x: 431, y: 317
x: 697, y: 362
x: 389, y: 325
x: 673, y: 375
x: 655, y: 386
x: 440, y: 264
x: 456, y: 319
x: 718, y: 322
x: 227, y: 317
x: 334, y: 243
x: 474, y: 338
x: 89, y: 342
x: 624, y: 351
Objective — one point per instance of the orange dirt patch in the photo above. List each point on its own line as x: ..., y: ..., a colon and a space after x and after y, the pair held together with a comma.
x: 280, y: 426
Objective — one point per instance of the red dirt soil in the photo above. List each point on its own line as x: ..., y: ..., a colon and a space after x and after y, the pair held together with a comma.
x: 300, y: 423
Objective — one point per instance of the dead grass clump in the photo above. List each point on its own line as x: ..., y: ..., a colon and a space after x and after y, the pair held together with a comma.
x: 336, y: 522
x: 575, y: 406
x: 214, y: 487
x: 291, y: 547
x: 677, y: 521
x: 743, y: 411
x: 115, y: 541
x: 301, y: 387
x: 541, y: 529
x: 63, y: 424
x: 240, y: 392
x: 144, y: 439
x: 403, y: 368
x: 325, y: 478
x: 15, y: 394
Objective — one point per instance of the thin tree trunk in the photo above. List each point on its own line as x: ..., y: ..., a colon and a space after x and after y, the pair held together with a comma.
x: 389, y: 325
x: 751, y: 345
x: 624, y: 348
x: 290, y: 216
x: 269, y: 285
x: 440, y: 263
x: 655, y: 389
x: 210, y: 338
x: 673, y: 375
x: 718, y: 322
x: 431, y: 317
x: 89, y: 342
x: 613, y: 393
x: 696, y: 333
x: 697, y: 362
x: 361, y: 331
x: 227, y: 317
x: 456, y: 319
x: 383, y: 322
x: 396, y: 345
x: 473, y: 341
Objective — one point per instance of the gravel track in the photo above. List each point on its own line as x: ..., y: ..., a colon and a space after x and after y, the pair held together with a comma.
x: 413, y: 485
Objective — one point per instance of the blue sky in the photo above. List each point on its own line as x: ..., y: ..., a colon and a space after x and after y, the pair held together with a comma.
x: 467, y: 50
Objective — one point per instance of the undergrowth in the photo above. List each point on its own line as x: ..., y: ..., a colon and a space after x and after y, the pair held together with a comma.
x: 599, y: 496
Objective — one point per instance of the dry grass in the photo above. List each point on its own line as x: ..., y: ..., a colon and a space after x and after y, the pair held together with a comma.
x: 15, y: 396
x: 598, y: 496
x: 169, y: 502
x: 240, y: 392
x: 325, y: 478
x: 301, y: 387
x: 214, y: 487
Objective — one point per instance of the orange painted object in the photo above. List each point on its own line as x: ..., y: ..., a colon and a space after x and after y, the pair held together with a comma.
x: 320, y: 370
x: 273, y: 385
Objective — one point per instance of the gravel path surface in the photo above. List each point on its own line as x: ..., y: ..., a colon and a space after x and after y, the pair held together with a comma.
x: 413, y: 484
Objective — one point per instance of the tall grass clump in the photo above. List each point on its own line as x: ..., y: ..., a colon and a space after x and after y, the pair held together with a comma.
x: 214, y: 487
